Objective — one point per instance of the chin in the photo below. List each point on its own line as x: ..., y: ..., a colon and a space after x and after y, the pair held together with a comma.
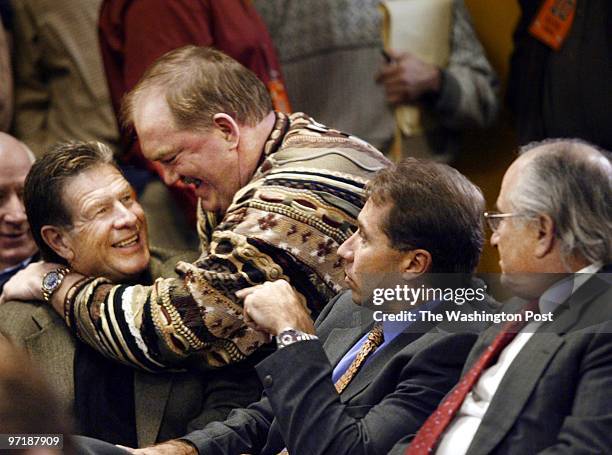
x: 527, y: 285
x: 131, y: 270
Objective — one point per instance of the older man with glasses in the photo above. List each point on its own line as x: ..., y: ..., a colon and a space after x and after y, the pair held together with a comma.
x: 542, y: 386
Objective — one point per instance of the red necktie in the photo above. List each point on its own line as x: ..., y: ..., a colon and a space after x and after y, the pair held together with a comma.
x: 429, y: 434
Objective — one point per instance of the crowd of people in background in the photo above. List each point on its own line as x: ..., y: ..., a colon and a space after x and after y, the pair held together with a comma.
x: 198, y: 199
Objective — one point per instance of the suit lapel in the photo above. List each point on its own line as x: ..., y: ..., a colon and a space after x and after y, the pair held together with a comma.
x: 530, y: 364
x: 151, y: 393
x: 517, y: 385
x: 372, y: 368
x: 52, y: 349
x: 340, y: 340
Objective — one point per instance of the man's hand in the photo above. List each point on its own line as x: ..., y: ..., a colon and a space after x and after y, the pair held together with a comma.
x: 274, y: 306
x: 166, y: 448
x: 406, y: 78
x: 26, y: 284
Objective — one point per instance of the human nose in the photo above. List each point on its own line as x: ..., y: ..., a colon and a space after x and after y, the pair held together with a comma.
x: 494, y: 238
x: 14, y: 210
x: 169, y: 175
x: 125, y: 217
x: 345, y: 251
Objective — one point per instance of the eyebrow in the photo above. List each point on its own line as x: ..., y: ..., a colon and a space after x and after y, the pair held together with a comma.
x: 106, y: 198
x: 362, y: 229
x: 164, y: 154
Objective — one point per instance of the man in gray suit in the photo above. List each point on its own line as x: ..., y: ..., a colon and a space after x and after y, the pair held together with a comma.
x: 84, y: 214
x: 547, y: 388
x: 348, y: 385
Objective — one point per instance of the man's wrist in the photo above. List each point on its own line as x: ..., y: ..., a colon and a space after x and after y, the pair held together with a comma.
x: 435, y: 83
x: 59, y: 296
x: 289, y: 336
x: 183, y: 447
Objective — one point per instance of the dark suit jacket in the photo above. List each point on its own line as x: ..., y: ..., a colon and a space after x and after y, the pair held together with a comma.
x: 556, y: 397
x: 391, y: 395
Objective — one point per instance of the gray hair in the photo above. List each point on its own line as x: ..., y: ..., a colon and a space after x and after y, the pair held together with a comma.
x: 570, y: 180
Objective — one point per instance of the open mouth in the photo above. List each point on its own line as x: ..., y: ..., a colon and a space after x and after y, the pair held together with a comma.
x: 191, y: 181
x: 128, y: 242
x: 14, y: 236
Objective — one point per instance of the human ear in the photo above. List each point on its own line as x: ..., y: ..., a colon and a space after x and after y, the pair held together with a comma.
x: 414, y: 263
x: 545, y: 236
x: 228, y: 128
x: 58, y: 240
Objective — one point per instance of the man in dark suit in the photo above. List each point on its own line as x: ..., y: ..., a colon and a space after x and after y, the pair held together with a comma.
x: 357, y: 386
x: 543, y: 387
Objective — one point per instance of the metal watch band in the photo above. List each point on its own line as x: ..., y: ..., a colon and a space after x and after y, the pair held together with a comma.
x: 289, y: 336
x: 52, y: 281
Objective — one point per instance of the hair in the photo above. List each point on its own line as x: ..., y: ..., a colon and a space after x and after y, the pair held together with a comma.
x: 433, y: 207
x: 44, y: 186
x: 569, y: 180
x: 198, y: 83
x: 27, y: 405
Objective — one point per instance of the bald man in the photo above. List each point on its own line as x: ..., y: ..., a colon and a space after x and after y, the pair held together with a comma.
x: 16, y: 244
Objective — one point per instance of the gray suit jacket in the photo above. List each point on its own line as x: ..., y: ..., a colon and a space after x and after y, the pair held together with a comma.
x: 158, y: 398
x: 166, y: 405
x: 301, y: 410
x: 556, y: 397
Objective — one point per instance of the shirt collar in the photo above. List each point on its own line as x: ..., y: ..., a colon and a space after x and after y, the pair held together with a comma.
x: 19, y: 266
x: 560, y: 291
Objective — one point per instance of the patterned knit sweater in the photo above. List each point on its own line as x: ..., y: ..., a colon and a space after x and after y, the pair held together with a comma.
x: 287, y: 222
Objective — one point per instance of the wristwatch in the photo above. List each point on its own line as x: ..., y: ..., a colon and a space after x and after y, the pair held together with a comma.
x: 52, y: 281
x: 290, y: 335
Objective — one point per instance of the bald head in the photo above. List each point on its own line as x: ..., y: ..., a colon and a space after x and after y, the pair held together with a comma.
x: 16, y: 243
x: 14, y: 150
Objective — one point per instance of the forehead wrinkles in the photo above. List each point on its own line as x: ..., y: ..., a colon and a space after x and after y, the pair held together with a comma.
x: 94, y: 191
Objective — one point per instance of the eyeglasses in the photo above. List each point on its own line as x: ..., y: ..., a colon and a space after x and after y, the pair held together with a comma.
x: 494, y: 219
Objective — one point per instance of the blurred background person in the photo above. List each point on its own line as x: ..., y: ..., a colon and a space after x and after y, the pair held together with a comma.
x: 331, y: 56
x: 60, y: 90
x: 27, y: 405
x: 6, y: 70
x: 17, y: 248
x: 559, y: 83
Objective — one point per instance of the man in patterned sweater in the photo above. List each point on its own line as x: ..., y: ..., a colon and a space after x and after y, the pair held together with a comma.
x: 277, y: 194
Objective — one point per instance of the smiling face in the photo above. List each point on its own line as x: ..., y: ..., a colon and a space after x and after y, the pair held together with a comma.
x: 202, y: 159
x: 367, y: 253
x: 16, y: 242
x: 108, y: 236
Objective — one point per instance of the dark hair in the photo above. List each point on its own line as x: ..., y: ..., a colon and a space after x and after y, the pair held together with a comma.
x: 433, y: 207
x: 198, y: 83
x: 43, y: 192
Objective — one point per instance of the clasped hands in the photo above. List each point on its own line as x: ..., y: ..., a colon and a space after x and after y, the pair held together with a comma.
x: 274, y: 306
x: 269, y: 307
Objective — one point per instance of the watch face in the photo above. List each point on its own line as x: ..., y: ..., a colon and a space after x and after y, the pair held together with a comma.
x: 51, y: 280
x: 288, y: 336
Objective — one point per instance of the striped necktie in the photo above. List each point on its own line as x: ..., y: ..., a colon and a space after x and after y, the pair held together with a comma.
x: 373, y: 341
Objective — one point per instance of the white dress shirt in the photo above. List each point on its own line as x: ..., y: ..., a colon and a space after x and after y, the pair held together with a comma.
x: 460, y: 432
